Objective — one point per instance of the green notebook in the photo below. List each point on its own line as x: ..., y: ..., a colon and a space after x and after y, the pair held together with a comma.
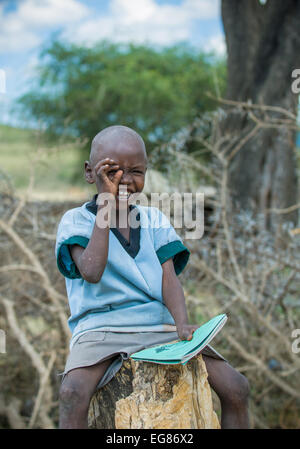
x: 183, y: 350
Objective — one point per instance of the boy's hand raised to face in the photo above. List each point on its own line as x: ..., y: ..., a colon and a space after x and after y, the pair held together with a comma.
x: 108, y: 176
x: 185, y: 331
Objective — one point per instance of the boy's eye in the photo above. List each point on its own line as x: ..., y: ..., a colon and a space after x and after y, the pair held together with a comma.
x: 136, y: 172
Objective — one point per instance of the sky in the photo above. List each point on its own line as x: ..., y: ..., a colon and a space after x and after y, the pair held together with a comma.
x: 27, y: 25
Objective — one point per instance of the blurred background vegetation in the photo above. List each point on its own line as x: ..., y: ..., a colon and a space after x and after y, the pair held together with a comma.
x: 79, y: 91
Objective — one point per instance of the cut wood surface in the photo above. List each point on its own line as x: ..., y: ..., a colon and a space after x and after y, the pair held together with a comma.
x: 146, y: 395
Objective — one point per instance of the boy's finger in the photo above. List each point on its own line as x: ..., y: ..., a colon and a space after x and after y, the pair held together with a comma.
x: 100, y: 163
x: 105, y: 169
x: 106, y: 161
x: 102, y: 171
x: 112, y: 170
x: 190, y: 337
x: 117, y: 178
x: 185, y: 335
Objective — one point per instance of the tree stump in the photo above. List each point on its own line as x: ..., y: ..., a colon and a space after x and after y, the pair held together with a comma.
x: 146, y: 395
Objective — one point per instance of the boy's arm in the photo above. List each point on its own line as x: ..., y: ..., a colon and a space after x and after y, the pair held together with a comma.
x: 174, y: 300
x: 91, y: 261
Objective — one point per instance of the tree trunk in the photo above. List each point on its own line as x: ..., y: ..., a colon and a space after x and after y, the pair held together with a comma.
x: 263, y: 45
x: 151, y: 396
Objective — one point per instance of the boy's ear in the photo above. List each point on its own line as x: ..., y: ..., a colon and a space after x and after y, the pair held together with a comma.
x: 88, y: 173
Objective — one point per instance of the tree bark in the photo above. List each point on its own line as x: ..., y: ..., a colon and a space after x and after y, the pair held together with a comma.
x: 151, y: 396
x: 263, y: 46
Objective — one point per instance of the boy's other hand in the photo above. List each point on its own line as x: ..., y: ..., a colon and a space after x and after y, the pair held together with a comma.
x: 108, y: 176
x: 185, y: 331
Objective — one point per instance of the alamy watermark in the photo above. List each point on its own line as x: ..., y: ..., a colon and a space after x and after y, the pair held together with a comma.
x: 296, y: 84
x: 2, y: 342
x: 188, y: 211
x: 2, y: 82
x: 296, y: 342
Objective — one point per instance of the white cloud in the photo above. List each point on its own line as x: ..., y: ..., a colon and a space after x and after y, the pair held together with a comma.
x: 51, y: 12
x: 138, y: 21
x: 134, y: 10
x: 21, y: 29
x: 216, y: 44
x: 142, y: 21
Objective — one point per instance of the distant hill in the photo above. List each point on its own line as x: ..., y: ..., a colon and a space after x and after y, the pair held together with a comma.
x: 54, y: 173
x: 10, y: 134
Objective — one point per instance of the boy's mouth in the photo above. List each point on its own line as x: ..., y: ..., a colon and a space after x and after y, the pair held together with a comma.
x: 123, y: 194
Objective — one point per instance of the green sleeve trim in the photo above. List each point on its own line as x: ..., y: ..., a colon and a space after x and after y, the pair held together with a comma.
x: 177, y: 251
x: 65, y: 263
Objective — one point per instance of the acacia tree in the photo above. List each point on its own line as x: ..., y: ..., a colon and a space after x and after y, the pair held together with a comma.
x: 80, y: 90
x: 263, y: 46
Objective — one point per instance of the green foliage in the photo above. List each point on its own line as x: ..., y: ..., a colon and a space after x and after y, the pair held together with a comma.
x: 82, y: 90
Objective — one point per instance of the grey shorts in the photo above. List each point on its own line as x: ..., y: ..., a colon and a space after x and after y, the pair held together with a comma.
x: 96, y: 346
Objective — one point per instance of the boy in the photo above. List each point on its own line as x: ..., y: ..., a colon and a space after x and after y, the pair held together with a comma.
x: 122, y: 283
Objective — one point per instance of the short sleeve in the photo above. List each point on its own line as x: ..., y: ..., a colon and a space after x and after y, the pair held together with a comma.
x: 74, y: 228
x: 168, y: 243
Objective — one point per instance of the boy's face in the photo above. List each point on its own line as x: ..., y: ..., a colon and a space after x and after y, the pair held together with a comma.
x: 129, y: 153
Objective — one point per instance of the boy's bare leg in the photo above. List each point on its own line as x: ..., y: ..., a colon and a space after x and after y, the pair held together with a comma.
x: 76, y: 392
x: 232, y: 389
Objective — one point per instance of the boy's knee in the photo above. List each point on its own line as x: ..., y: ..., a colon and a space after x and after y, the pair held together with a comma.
x: 239, y: 389
x: 72, y: 394
x: 234, y: 391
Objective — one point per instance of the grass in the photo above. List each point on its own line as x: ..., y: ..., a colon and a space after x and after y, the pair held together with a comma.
x: 54, y: 169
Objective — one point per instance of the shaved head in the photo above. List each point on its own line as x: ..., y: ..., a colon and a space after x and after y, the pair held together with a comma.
x: 112, y: 137
x: 117, y: 149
